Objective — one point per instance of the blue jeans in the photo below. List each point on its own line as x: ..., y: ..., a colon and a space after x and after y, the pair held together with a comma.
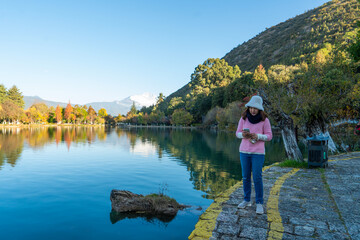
x: 252, y: 163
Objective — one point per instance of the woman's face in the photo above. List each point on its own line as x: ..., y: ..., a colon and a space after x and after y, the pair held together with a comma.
x: 253, y: 111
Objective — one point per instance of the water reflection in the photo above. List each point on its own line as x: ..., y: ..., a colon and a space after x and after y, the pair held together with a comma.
x: 11, y: 146
x: 116, y: 217
x: 212, y: 159
x: 12, y: 139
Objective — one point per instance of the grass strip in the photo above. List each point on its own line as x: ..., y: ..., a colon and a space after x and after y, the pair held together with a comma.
x: 293, y: 164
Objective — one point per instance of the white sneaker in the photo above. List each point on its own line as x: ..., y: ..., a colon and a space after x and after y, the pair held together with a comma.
x: 259, y: 208
x: 244, y: 204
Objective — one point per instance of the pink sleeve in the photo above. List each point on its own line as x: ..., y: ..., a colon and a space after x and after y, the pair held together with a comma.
x: 240, y: 127
x: 267, y: 129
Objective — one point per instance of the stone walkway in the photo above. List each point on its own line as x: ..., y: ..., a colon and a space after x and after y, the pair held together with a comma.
x: 299, y: 204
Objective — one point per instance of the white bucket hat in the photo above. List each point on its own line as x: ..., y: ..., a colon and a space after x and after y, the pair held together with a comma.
x: 255, y: 102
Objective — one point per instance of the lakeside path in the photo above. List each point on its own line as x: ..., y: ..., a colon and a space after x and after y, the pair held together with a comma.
x: 299, y: 204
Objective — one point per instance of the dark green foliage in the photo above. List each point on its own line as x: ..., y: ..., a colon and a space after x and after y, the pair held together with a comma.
x: 355, y: 48
x: 238, y: 89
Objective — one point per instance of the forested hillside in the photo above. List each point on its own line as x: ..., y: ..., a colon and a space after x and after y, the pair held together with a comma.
x: 291, y: 42
x: 296, y: 39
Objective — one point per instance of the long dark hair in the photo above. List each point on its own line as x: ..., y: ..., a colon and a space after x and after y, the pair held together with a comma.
x: 262, y: 113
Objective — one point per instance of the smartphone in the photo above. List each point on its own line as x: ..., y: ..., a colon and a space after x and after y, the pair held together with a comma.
x: 246, y: 130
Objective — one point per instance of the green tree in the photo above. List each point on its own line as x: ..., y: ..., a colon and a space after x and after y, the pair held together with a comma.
x: 14, y: 94
x: 160, y: 98
x: 157, y: 117
x: 81, y: 113
x: 51, y: 115
x: 181, y: 117
x: 175, y: 103
x: 239, y: 89
x: 212, y: 74
x: 281, y: 102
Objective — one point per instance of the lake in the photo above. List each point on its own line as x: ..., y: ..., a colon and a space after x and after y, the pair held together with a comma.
x: 55, y: 182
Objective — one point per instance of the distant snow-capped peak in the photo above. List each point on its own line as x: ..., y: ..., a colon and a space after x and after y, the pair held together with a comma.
x: 145, y: 99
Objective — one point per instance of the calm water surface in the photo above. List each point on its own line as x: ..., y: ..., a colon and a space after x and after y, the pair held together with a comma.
x: 55, y: 183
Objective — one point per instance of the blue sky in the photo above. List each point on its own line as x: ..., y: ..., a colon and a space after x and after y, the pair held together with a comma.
x: 87, y: 50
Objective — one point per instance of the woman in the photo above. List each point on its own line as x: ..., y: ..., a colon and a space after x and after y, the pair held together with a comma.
x: 252, y: 149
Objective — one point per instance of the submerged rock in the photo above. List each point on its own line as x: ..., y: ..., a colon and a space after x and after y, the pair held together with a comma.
x: 155, y: 204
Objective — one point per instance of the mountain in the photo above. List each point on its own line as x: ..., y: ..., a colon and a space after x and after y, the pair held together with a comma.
x: 296, y: 39
x: 112, y: 108
x: 292, y: 41
x: 30, y: 100
x: 123, y: 106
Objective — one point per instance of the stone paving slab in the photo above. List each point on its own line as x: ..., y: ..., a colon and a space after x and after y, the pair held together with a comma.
x: 311, y: 204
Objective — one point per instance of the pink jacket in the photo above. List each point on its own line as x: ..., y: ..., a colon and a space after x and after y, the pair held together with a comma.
x: 262, y: 129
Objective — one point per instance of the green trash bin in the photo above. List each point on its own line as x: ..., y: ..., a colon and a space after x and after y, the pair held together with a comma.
x: 317, y: 151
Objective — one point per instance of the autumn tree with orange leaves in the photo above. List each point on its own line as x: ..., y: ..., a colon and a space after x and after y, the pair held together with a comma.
x: 58, y: 114
x: 68, y: 112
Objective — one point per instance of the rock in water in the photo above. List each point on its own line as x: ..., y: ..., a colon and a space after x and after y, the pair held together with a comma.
x: 124, y: 201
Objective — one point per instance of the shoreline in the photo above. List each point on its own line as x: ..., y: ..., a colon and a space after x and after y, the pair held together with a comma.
x: 49, y: 125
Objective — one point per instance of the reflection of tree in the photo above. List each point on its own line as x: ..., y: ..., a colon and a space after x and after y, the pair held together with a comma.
x: 69, y: 133
x: 11, y: 146
x: 36, y: 137
x: 12, y: 139
x: 211, y: 170
x: 132, y: 138
x: 58, y: 135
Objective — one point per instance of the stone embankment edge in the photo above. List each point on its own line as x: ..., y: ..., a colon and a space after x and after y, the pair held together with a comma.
x: 207, y: 221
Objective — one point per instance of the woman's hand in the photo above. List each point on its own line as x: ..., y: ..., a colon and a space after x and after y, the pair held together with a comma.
x: 246, y: 135
x: 254, y: 136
